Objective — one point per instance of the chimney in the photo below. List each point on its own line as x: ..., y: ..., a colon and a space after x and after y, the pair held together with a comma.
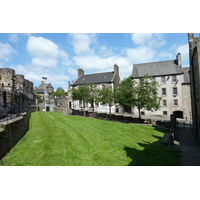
x: 178, y: 59
x: 116, y: 69
x: 80, y: 72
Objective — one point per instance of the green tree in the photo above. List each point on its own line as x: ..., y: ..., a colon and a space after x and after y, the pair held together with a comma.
x: 85, y: 94
x: 146, y: 95
x: 124, y: 94
x: 143, y: 95
x: 59, y: 92
x: 107, y: 97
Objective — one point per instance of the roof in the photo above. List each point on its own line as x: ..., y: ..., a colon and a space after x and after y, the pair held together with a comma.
x: 186, y: 75
x: 156, y: 69
x: 106, y: 77
x: 38, y: 91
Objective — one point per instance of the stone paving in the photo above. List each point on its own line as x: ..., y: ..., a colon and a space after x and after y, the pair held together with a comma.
x: 186, y: 141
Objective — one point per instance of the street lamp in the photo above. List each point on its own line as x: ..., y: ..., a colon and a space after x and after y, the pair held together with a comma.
x: 45, y: 78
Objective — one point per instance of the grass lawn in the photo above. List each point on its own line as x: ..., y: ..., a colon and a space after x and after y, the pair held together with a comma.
x: 54, y: 139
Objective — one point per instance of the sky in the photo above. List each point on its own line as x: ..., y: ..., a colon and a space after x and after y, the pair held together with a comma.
x: 58, y: 56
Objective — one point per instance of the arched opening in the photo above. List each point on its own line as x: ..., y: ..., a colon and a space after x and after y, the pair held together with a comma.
x: 179, y: 114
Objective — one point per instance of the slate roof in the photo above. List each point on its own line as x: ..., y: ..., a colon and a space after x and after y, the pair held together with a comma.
x: 106, y: 77
x: 186, y: 75
x: 38, y: 91
x: 162, y: 68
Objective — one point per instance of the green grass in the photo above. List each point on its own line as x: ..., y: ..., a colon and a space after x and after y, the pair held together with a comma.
x: 54, y: 139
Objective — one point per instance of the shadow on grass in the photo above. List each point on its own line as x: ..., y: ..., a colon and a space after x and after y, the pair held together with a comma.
x: 152, y: 154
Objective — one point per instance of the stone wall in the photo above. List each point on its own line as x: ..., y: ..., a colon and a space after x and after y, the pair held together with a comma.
x: 61, y: 110
x: 186, y: 101
x: 13, y: 130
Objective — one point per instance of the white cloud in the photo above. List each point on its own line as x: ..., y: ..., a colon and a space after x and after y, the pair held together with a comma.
x: 105, y: 52
x: 94, y: 57
x: 72, y: 71
x: 32, y: 76
x: 6, y: 51
x: 141, y: 54
x: 81, y: 42
x: 13, y: 37
x: 141, y: 38
x: 65, y: 58
x: 184, y: 50
x: 46, y: 53
x: 47, y: 62
x: 35, y: 75
x: 148, y: 39
x: 41, y: 47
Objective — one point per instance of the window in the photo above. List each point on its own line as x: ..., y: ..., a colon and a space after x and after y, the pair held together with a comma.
x: 175, y: 102
x: 142, y: 113
x: 174, y: 79
x: 164, y: 102
x: 164, y: 93
x: 153, y: 79
x: 163, y: 80
x: 175, y: 92
x: 164, y: 112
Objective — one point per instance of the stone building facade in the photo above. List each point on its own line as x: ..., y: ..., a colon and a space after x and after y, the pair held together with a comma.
x: 194, y: 54
x: 40, y: 90
x: 173, y: 87
x: 15, y: 88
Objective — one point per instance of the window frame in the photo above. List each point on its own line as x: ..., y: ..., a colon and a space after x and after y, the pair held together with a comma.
x: 164, y: 89
x: 163, y: 80
x: 174, y: 79
x: 175, y: 93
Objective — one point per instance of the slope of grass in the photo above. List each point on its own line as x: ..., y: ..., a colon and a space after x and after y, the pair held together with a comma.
x: 54, y: 139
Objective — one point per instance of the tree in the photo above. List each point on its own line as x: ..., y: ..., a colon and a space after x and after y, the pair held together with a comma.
x: 107, y: 97
x: 85, y: 94
x: 146, y: 95
x: 143, y: 95
x: 59, y: 92
x: 124, y: 94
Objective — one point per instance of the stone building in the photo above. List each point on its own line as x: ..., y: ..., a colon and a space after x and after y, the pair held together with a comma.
x: 173, y: 88
x: 40, y: 90
x: 15, y: 88
x: 102, y: 80
x: 194, y: 53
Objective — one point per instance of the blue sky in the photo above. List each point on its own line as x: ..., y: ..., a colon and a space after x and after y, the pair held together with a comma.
x: 58, y: 55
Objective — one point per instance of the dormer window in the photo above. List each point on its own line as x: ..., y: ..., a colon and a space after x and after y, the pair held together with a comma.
x: 174, y: 79
x: 163, y: 80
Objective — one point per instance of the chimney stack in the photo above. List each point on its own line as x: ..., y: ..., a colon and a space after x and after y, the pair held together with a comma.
x: 178, y: 59
x: 116, y: 68
x: 80, y: 72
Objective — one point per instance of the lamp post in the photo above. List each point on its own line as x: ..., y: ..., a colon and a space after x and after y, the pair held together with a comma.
x: 45, y: 78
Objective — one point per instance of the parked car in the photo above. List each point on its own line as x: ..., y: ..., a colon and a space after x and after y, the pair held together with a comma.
x: 12, y: 108
x: 3, y: 112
